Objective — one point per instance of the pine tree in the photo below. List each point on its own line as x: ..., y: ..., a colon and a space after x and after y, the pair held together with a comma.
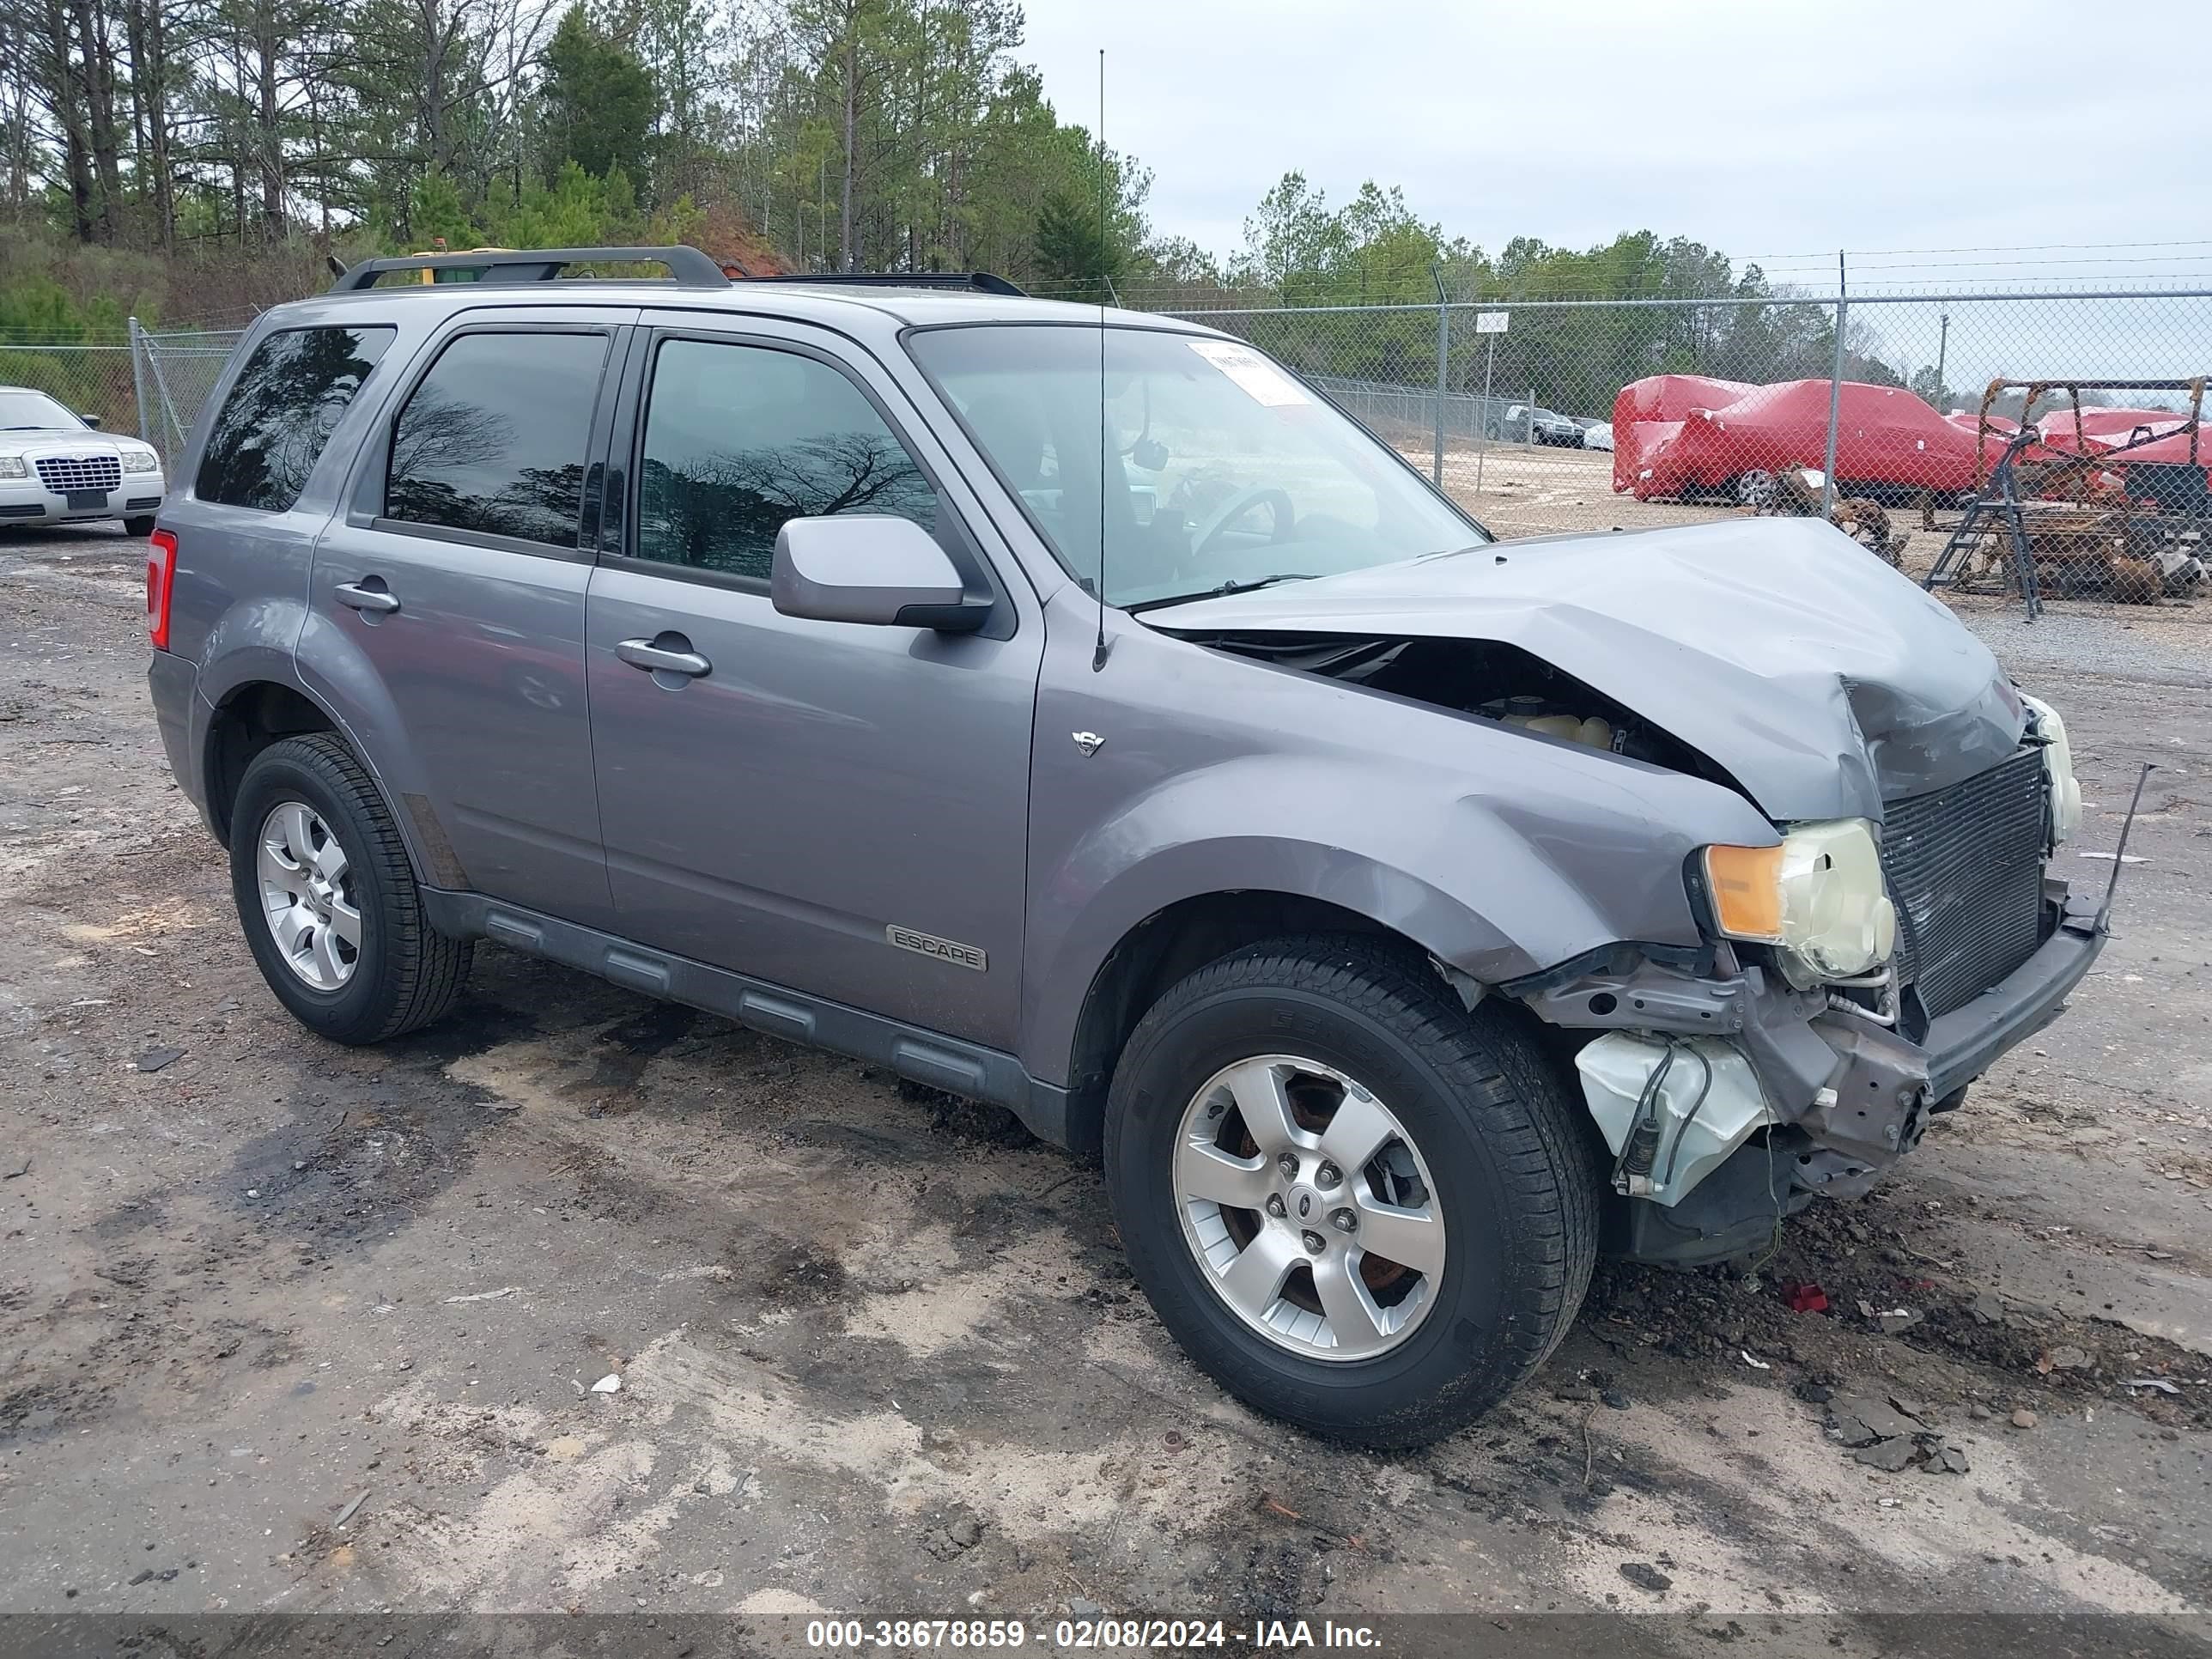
x: 1073, y: 255
x: 599, y: 103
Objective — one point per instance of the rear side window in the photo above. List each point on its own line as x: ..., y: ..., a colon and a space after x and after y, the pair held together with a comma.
x: 739, y: 438
x: 492, y: 440
x: 280, y: 412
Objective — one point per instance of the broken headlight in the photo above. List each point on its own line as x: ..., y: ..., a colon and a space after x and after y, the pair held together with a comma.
x: 1817, y: 896
x: 2057, y: 769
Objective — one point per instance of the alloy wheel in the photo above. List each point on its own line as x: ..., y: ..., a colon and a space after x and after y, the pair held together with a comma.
x: 1308, y: 1208
x: 307, y: 896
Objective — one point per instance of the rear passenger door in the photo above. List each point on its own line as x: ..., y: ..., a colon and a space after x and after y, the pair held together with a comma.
x: 448, y: 602
x: 838, y: 808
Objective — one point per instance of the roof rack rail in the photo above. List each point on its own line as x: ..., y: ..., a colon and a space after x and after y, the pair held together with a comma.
x: 687, y: 266
x: 976, y: 282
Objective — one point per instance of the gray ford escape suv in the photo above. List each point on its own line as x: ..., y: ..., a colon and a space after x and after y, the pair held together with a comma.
x: 1073, y: 711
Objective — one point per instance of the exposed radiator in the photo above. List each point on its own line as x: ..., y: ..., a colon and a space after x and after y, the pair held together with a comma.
x: 1966, y: 870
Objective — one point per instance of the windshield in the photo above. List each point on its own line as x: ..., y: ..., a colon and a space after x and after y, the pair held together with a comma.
x: 1219, y: 470
x: 33, y: 409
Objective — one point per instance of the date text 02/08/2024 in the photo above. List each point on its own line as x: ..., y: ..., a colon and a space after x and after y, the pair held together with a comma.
x: 1285, y: 1635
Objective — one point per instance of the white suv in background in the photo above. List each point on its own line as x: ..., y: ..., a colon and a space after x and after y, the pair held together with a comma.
x: 55, y: 468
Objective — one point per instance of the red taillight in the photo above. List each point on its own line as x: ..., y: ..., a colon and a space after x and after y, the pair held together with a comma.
x: 161, y: 578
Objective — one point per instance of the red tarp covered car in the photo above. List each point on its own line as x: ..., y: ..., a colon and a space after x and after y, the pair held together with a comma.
x: 2170, y: 449
x: 1887, y: 438
x: 2105, y: 428
x: 1659, y: 402
x: 1671, y: 397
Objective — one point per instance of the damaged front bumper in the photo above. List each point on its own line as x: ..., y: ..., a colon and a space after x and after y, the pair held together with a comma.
x: 1714, y: 1061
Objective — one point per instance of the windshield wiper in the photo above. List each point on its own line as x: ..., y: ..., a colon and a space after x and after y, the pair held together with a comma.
x: 1224, y: 591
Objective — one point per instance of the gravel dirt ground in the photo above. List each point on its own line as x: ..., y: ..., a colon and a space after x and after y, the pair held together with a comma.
x: 289, y: 1327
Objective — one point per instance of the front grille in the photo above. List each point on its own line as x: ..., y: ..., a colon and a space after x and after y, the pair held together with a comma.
x: 65, y: 472
x: 1965, y: 867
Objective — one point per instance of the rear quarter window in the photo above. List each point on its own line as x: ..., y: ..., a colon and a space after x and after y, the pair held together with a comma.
x: 281, y: 412
x: 492, y: 438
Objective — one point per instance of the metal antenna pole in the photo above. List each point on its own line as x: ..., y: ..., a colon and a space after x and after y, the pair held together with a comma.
x: 1104, y: 218
x: 1098, y: 649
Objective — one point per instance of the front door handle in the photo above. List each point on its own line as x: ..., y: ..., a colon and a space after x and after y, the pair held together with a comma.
x: 672, y: 654
x: 379, y: 600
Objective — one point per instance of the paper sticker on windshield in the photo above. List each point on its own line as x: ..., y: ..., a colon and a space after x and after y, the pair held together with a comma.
x: 1262, y: 381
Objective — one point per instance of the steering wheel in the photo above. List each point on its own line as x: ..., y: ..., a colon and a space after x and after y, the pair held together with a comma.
x: 1237, y: 506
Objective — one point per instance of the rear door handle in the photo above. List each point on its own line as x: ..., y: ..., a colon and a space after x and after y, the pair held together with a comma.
x: 675, y: 658
x: 378, y: 600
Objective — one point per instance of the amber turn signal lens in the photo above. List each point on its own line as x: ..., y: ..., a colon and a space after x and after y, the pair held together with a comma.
x: 1747, y: 887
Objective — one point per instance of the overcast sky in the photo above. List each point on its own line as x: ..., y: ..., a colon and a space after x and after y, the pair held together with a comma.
x: 1763, y: 128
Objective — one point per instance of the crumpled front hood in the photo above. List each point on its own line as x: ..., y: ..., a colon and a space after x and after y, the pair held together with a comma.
x: 1825, y: 682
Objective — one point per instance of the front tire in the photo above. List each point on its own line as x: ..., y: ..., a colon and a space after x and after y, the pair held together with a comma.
x: 328, y: 899
x: 139, y: 528
x: 1419, y: 1286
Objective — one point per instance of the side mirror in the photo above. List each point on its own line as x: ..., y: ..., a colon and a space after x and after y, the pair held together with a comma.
x: 92, y: 421
x: 870, y: 568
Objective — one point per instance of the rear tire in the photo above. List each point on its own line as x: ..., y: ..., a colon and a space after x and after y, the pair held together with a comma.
x: 1505, y: 1176
x: 308, y: 809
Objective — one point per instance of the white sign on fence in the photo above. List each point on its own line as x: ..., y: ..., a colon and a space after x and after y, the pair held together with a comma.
x: 1490, y: 322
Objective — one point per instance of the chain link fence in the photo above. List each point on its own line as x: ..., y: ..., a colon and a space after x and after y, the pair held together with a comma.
x: 178, y: 371
x: 1544, y: 416
x: 150, y: 383
x: 1577, y: 415
x: 93, y: 377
